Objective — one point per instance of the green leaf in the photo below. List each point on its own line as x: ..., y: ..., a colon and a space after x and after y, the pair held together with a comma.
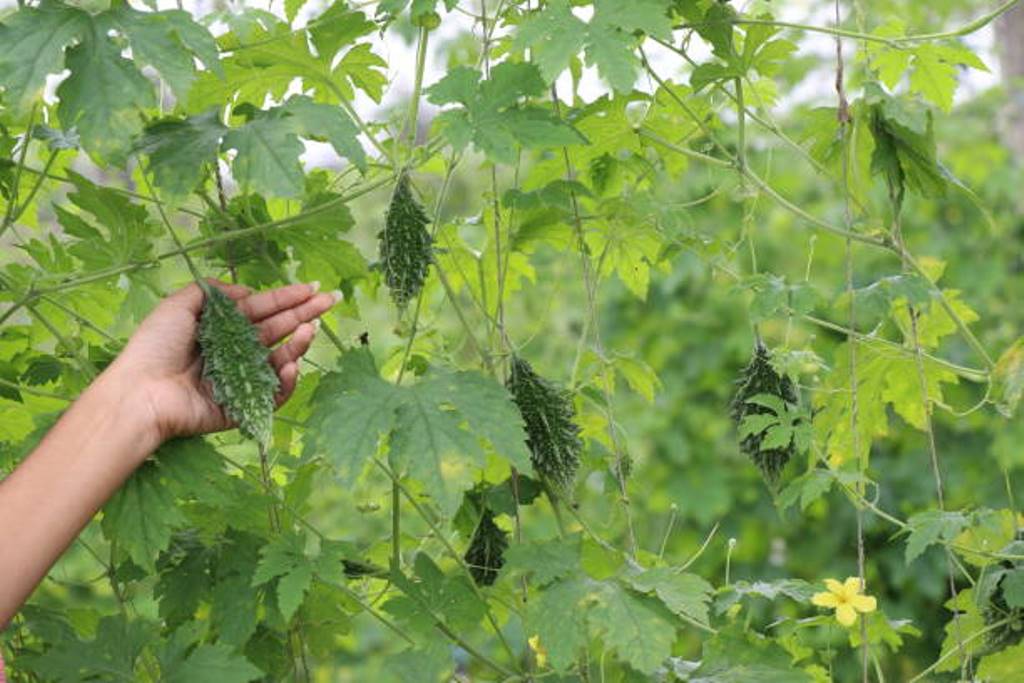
x: 806, y: 488
x: 1013, y: 588
x: 968, y: 620
x: 883, y: 378
x: 436, y: 425
x: 34, y: 39
x: 103, y: 97
x: 890, y: 63
x: 555, y: 36
x: 794, y: 589
x: 142, y: 515
x: 543, y: 561
x: 904, y: 145
x: 268, y: 156
x: 328, y: 123
x: 179, y: 148
x: 284, y: 559
x: 338, y: 27
x: 364, y: 70
x: 1008, y: 378
x: 737, y: 656
x: 755, y: 423
x: 933, y: 77
x: 928, y: 528
x: 687, y: 595
x: 882, y: 630
x: 989, y: 531
x: 272, y: 59
x: 168, y: 41
x: 636, y: 627
x: 315, y: 244
x: 112, y: 654
x: 357, y: 391
x: 292, y: 7
x: 557, y: 616
x: 124, y: 227
x: 627, y: 245
x: 1003, y: 666
x: 491, y: 116
x: 436, y: 594
x: 216, y: 663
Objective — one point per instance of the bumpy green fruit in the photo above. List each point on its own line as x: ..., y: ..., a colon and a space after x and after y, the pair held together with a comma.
x: 759, y: 377
x: 486, y: 554
x: 405, y: 245
x: 235, y: 363
x: 551, y: 430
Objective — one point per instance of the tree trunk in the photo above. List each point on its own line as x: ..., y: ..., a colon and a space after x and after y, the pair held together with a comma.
x: 1010, y: 47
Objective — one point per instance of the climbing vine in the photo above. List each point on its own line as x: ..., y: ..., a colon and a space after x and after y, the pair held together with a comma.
x: 620, y: 317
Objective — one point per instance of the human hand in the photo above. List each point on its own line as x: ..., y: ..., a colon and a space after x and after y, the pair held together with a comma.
x: 161, y: 367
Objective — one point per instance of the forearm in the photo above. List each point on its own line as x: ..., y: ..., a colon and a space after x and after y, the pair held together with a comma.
x: 52, y: 495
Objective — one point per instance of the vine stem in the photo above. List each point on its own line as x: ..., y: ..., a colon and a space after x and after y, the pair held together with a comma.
x: 12, y: 204
x: 843, y: 119
x: 294, y: 632
x: 274, y: 518
x: 974, y: 636
x: 412, y: 120
x: 103, y: 274
x: 177, y: 241
x: 905, y: 526
x: 766, y: 123
x: 450, y: 549
x: 118, y: 190
x: 926, y: 405
x: 766, y: 189
x: 396, y: 518
x: 884, y: 244
x: 409, y: 131
x: 319, y: 534
x: 897, y: 42
x: 590, y: 287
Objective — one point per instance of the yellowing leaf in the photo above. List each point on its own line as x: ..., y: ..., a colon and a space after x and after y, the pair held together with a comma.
x: 1008, y: 378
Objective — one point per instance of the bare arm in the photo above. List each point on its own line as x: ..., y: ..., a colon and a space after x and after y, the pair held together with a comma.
x: 151, y: 392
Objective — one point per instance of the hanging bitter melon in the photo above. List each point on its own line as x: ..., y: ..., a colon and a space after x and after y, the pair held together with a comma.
x: 405, y: 245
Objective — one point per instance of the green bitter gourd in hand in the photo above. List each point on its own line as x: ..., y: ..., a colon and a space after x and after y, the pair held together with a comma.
x: 235, y: 364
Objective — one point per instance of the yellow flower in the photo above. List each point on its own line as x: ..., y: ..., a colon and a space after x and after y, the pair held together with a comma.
x: 846, y: 599
x: 538, y: 650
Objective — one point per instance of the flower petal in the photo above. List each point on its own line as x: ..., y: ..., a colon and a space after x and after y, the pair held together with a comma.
x: 825, y: 599
x: 833, y: 585
x: 864, y: 603
x: 846, y: 615
x: 852, y: 586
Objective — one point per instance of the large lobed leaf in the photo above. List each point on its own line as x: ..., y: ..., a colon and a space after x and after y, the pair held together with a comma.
x: 436, y: 426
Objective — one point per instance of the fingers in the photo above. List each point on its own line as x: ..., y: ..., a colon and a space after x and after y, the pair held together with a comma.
x: 292, y: 350
x: 191, y: 296
x: 265, y: 304
x: 280, y: 325
x: 289, y: 377
x: 233, y: 291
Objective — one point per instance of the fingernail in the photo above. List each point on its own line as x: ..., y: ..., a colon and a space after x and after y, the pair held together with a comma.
x: 314, y: 286
x: 316, y: 325
x: 337, y: 295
